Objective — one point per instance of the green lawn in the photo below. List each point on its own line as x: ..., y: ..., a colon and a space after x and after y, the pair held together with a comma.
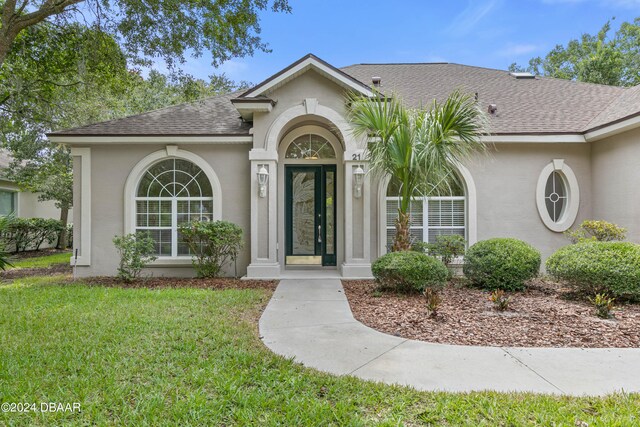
x: 42, y: 261
x: 192, y: 357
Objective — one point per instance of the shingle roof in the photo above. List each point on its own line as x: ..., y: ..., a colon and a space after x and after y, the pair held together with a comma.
x: 540, y: 105
x: 210, y: 116
x: 524, y: 106
x: 626, y: 105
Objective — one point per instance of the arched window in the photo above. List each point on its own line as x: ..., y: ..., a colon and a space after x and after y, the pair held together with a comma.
x: 310, y: 147
x: 557, y: 196
x: 430, y: 216
x: 172, y: 192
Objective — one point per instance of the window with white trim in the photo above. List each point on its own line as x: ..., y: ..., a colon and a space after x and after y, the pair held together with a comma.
x: 170, y: 193
x: 557, y: 196
x: 8, y: 202
x: 429, y: 216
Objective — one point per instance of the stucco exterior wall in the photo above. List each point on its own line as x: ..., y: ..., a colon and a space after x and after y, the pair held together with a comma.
x: 28, y: 204
x: 616, y: 181
x: 110, y: 167
x: 506, y: 183
x: 506, y: 180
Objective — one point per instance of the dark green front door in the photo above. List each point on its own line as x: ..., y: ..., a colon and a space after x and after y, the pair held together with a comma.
x: 310, y: 205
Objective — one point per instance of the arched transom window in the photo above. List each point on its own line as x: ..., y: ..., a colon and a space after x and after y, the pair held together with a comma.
x: 310, y: 147
x: 430, y: 216
x: 170, y: 193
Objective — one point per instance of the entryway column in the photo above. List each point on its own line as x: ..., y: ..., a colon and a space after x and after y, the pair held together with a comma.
x: 264, y: 216
x: 357, y: 219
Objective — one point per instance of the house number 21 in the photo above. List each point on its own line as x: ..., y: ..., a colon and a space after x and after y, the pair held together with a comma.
x: 356, y: 156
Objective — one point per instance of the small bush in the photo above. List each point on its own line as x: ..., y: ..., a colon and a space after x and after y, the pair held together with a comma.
x: 136, y: 251
x: 409, y: 271
x: 603, y: 305
x: 212, y: 245
x: 601, y: 231
x: 599, y: 267
x: 23, y: 234
x: 433, y: 301
x: 4, y: 256
x: 501, y: 263
x: 499, y: 299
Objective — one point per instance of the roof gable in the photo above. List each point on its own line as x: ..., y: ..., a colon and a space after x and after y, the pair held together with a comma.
x: 301, y: 66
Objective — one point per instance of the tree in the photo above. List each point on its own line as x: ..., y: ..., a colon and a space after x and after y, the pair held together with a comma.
x: 61, y: 77
x: 594, y: 58
x: 149, y: 29
x: 420, y: 148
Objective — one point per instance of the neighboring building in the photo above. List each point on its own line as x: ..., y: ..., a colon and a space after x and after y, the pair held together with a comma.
x: 22, y: 204
x: 561, y: 152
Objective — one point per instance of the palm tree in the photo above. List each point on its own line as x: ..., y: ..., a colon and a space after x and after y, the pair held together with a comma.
x: 420, y: 148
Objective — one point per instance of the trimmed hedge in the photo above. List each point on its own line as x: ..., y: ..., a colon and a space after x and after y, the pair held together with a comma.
x: 501, y: 263
x: 23, y: 234
x: 409, y: 271
x: 596, y: 267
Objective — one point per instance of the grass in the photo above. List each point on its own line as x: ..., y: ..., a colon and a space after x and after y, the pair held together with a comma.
x: 192, y: 357
x: 42, y: 261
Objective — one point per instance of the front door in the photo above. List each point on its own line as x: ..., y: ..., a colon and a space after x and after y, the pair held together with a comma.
x: 310, y: 205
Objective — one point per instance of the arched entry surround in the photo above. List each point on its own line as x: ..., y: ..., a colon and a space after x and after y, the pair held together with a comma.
x: 268, y: 260
x: 285, y: 142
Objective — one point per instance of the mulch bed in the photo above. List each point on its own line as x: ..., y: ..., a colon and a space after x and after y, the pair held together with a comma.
x: 169, y: 282
x: 18, y: 273
x: 39, y: 253
x: 545, y: 315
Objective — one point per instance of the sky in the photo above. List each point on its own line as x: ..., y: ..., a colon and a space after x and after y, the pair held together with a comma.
x: 487, y: 33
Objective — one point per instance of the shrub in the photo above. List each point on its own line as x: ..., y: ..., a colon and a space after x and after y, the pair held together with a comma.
x: 501, y: 263
x: 408, y: 271
x: 599, y: 267
x: 601, y: 231
x: 136, y: 251
x: 22, y: 234
x: 4, y: 256
x: 212, y: 245
x: 433, y: 301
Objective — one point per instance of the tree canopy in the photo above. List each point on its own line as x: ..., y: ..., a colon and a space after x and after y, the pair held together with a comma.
x: 601, y: 58
x: 167, y: 29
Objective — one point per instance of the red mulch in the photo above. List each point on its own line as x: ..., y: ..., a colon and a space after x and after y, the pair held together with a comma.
x: 169, y: 282
x: 545, y: 315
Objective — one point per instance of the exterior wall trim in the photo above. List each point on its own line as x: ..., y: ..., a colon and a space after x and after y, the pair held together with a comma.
x: 150, y: 139
x: 84, y: 259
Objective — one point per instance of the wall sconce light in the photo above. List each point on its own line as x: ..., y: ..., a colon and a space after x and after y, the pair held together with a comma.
x: 263, y: 178
x: 358, y: 177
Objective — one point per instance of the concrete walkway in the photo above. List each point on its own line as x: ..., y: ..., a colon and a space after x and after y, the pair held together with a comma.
x: 310, y: 320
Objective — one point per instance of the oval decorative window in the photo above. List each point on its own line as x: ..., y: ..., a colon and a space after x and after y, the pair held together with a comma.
x: 558, y: 196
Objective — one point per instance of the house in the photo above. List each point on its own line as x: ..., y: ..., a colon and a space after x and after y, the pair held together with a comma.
x: 23, y: 204
x: 281, y: 161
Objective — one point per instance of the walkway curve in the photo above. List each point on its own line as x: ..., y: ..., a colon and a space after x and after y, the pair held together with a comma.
x: 311, y: 321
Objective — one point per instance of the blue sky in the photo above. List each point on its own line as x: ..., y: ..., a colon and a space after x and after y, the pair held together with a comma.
x: 488, y: 33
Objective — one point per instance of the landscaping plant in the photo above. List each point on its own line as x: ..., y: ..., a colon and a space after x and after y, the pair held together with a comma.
x: 212, y: 245
x: 499, y: 299
x: 447, y: 247
x: 409, y: 271
x: 22, y: 234
x: 4, y: 256
x: 420, y: 148
x: 599, y: 267
x: 136, y: 250
x: 501, y: 263
x: 603, y: 305
x: 433, y: 301
x: 601, y: 231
